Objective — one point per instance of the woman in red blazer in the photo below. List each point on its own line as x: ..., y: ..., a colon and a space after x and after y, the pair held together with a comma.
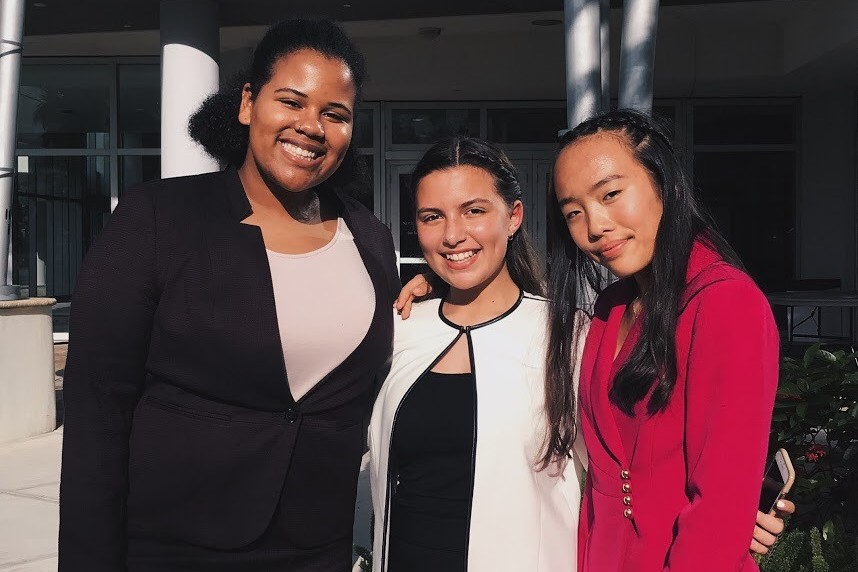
x: 680, y: 366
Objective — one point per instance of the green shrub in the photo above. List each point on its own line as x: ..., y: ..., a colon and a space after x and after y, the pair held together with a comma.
x: 816, y: 421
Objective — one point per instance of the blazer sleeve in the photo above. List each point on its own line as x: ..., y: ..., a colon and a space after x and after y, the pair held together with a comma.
x: 731, y: 381
x: 111, y: 320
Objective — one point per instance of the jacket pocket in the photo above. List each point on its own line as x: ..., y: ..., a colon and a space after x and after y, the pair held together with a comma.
x: 197, y: 477
x: 177, y: 409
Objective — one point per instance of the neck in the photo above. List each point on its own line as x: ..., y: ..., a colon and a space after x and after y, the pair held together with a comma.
x: 481, y: 304
x: 268, y: 198
x: 642, y: 279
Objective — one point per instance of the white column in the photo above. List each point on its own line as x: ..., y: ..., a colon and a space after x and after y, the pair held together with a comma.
x: 189, y: 73
x: 605, y: 37
x: 11, y: 36
x: 637, y: 56
x: 582, y: 25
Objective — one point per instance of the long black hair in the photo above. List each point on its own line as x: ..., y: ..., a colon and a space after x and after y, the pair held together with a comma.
x: 684, y: 220
x: 521, y: 259
x: 215, y: 124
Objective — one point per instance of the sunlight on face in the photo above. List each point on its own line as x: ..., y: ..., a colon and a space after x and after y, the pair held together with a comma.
x: 611, y: 205
x: 464, y: 225
x: 300, y: 123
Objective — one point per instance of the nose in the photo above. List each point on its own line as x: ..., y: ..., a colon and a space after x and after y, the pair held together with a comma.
x: 454, y: 232
x: 598, y: 223
x: 310, y: 124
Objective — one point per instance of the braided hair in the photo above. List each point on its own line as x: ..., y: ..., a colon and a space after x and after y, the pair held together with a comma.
x: 521, y: 258
x: 684, y: 220
x: 215, y: 124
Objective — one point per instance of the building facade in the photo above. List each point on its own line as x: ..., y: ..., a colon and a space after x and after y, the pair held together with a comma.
x: 762, y: 96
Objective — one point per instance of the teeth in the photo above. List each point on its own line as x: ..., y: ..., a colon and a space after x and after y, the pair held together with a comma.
x: 299, y: 152
x: 460, y: 256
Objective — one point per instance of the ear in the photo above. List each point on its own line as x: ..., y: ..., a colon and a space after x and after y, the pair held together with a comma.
x: 516, y: 217
x: 246, y: 107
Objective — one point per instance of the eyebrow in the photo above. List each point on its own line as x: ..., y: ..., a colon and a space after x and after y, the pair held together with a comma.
x: 566, y: 200
x: 305, y: 96
x: 464, y: 205
x: 607, y: 179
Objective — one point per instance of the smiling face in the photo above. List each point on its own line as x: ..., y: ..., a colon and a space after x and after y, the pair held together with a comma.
x: 610, y: 203
x: 464, y: 225
x: 300, y: 122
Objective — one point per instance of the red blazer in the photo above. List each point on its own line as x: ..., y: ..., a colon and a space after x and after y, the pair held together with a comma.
x: 679, y: 490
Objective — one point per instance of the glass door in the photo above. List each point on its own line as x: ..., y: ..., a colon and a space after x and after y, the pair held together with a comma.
x: 402, y: 225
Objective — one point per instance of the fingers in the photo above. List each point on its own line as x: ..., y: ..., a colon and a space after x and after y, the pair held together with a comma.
x: 763, y: 535
x: 784, y: 508
x: 406, y: 308
x: 417, y: 287
x: 758, y: 548
x: 772, y: 524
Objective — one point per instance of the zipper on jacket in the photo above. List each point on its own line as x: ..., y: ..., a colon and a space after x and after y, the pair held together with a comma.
x: 386, y: 525
x: 473, y: 445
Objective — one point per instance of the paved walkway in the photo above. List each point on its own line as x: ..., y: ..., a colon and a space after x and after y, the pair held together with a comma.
x: 29, y: 493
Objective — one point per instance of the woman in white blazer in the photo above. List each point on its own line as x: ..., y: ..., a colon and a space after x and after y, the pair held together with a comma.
x: 460, y: 475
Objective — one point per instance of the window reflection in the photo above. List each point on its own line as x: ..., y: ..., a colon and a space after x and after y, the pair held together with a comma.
x: 64, y: 107
x: 61, y: 205
x: 425, y: 126
x: 139, y: 106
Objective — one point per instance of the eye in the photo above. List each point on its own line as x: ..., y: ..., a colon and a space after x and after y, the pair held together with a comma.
x: 572, y: 214
x: 290, y: 103
x: 429, y: 218
x: 610, y: 195
x: 475, y: 211
x: 336, y: 117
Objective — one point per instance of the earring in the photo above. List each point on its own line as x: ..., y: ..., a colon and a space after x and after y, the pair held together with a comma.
x: 511, y: 237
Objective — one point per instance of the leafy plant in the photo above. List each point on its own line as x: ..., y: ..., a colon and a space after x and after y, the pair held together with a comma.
x: 816, y: 421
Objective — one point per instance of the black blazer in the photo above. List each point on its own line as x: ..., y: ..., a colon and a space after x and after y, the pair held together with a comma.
x: 179, y: 423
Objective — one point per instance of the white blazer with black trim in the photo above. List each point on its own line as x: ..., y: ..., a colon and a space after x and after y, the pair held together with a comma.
x: 521, y: 518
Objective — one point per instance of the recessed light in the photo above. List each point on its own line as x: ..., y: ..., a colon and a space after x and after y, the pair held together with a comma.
x: 126, y: 25
x: 39, y: 5
x: 347, y: 5
x: 547, y: 22
x: 429, y: 33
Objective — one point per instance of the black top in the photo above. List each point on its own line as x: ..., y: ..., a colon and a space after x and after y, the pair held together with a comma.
x: 433, y: 448
x: 180, y: 427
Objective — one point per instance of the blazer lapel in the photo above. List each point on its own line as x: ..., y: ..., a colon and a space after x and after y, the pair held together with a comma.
x: 598, y: 362
x: 242, y: 291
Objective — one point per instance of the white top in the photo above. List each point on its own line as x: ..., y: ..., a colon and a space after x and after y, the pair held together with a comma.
x: 325, y: 302
x: 521, y: 518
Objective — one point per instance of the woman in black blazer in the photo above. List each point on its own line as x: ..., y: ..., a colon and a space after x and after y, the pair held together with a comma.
x: 184, y: 448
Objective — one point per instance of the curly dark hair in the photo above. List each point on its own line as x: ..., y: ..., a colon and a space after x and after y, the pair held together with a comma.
x: 215, y: 124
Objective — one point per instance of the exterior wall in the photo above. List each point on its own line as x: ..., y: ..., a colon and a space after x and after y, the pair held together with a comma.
x: 774, y: 48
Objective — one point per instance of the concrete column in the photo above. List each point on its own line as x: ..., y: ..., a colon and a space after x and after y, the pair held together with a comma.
x: 582, y: 24
x: 27, y: 397
x: 605, y: 38
x: 11, y: 37
x: 189, y: 73
x: 637, y: 56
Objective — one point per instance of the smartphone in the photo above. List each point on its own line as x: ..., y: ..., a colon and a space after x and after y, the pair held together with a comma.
x: 777, y: 481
